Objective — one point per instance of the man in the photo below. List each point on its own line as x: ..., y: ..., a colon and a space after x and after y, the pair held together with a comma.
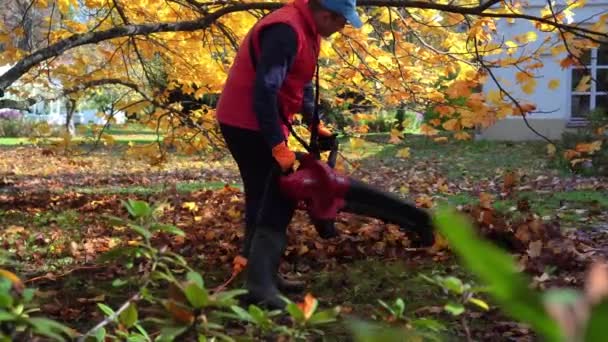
x: 271, y: 77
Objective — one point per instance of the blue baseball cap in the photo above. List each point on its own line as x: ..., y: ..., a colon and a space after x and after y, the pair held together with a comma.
x: 347, y: 8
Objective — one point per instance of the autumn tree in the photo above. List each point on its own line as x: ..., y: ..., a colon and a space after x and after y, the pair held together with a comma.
x: 431, y: 56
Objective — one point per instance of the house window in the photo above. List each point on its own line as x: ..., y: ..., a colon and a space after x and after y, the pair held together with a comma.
x: 582, y: 102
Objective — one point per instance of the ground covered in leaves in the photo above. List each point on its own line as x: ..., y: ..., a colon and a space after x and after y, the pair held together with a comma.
x: 53, y: 207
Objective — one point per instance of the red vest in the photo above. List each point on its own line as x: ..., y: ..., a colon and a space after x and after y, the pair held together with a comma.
x: 235, y: 106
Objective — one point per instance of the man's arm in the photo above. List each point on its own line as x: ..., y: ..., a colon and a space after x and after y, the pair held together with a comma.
x: 308, y: 104
x: 278, y: 45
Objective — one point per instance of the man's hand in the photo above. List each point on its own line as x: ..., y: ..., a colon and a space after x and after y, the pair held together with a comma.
x: 327, y: 139
x: 284, y: 156
x: 324, y: 131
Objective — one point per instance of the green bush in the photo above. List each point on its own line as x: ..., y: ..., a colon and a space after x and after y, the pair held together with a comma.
x: 16, y: 128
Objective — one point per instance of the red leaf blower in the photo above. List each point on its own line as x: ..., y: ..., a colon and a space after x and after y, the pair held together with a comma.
x: 325, y: 193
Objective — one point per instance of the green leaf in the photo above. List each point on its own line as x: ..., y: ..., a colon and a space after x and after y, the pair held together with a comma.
x: 146, y: 234
x: 137, y: 338
x: 227, y: 298
x: 28, y: 295
x: 128, y: 317
x: 455, y: 309
x: 428, y: 324
x: 170, y: 334
x: 562, y: 296
x: 596, y: 326
x: 142, y: 331
x: 242, y: 314
x: 453, y: 284
x: 202, y: 338
x: 257, y: 314
x: 115, y: 220
x: 400, y: 306
x: 106, y: 309
x: 167, y: 228
x: 6, y: 300
x: 196, y: 295
x: 374, y: 332
x: 323, y: 317
x: 6, y: 316
x: 100, y: 334
x: 118, y: 252
x: 196, y: 278
x: 138, y: 208
x: 497, y: 269
x: 119, y: 282
x: 479, y: 303
x: 295, y: 312
x: 49, y: 328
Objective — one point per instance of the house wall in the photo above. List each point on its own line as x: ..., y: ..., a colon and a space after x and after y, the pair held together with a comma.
x: 553, y: 105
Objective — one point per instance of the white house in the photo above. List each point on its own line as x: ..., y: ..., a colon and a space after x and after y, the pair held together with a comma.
x: 54, y: 112
x: 562, y: 107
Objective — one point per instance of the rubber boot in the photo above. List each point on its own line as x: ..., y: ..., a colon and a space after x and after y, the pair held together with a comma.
x: 267, y: 247
x: 325, y: 228
x: 290, y: 285
x: 283, y: 284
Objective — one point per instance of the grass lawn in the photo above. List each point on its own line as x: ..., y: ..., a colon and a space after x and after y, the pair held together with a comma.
x: 122, y: 134
x: 53, y: 212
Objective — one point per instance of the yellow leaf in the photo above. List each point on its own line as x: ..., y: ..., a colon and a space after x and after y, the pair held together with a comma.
x: 441, y: 139
x: 589, y: 147
x: 233, y: 213
x: 385, y: 16
x: 529, y: 87
x: 108, y: 139
x: 428, y: 130
x: 435, y: 122
x: 11, y: 277
x: 444, y: 110
x: 567, y: 62
x: 551, y: 150
x: 570, y: 154
x: 557, y: 50
x: 395, y: 136
x: 404, y: 153
x: 553, y: 84
x: 4, y: 38
x: 462, y: 136
x: 451, y: 125
x: 511, y: 46
x: 424, y: 201
x: 522, y: 77
x: 494, y: 96
x: 485, y: 200
x: 440, y: 244
x: 191, y: 206
x: 479, y: 303
x: 584, y: 84
x: 356, y: 143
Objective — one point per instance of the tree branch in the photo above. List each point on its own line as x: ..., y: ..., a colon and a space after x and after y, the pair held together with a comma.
x: 16, y: 104
x: 25, y: 64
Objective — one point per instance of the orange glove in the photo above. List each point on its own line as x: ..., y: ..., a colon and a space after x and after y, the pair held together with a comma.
x: 322, y: 131
x: 284, y: 156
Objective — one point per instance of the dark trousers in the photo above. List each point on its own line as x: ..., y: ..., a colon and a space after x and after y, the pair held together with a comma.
x: 264, y: 204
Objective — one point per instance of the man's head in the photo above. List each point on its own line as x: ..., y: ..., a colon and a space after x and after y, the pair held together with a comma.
x: 332, y: 15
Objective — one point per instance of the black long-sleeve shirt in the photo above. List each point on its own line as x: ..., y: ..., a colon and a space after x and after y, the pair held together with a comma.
x: 278, y: 48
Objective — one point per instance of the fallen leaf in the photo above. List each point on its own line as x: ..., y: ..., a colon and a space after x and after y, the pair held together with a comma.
x: 535, y: 248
